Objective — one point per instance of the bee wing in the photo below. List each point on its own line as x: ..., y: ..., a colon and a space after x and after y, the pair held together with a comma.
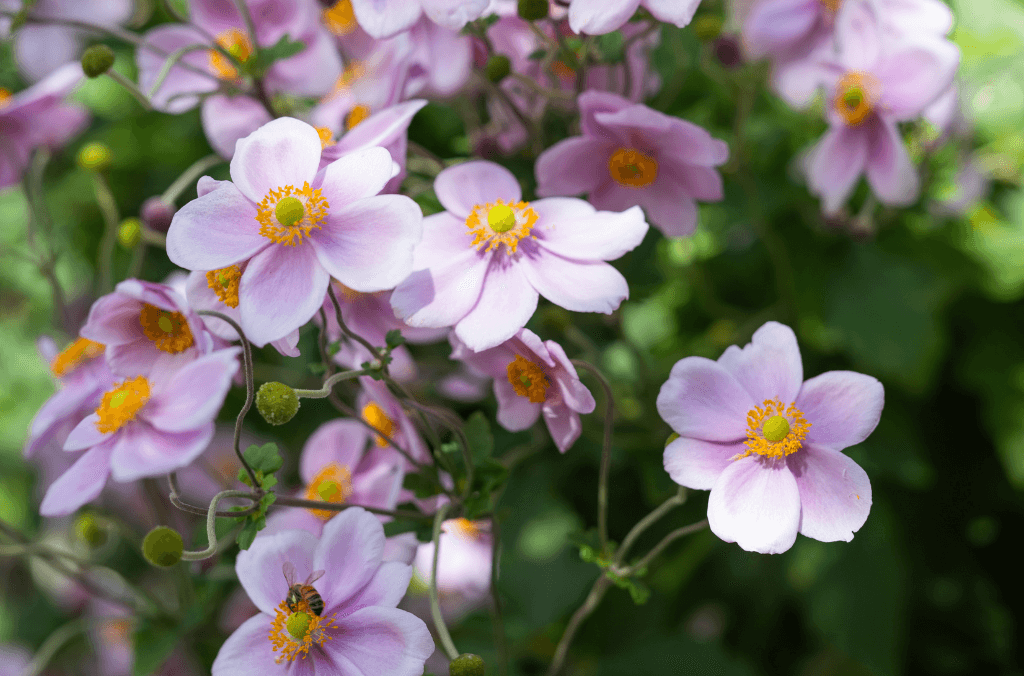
x: 289, y: 573
x: 314, y: 576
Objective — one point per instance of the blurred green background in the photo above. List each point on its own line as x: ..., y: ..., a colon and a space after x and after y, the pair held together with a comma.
x: 927, y: 300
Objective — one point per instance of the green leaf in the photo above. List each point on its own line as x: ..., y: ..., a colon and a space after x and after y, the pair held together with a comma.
x: 282, y: 49
x: 422, y: 484
x: 450, y: 447
x: 263, y: 458
x: 394, y: 338
x: 154, y: 643
x: 610, y: 46
x: 478, y: 433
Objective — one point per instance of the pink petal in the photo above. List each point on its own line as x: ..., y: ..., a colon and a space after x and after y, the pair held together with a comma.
x: 384, y: 18
x: 368, y: 246
x: 596, y: 17
x: 515, y: 413
x: 836, y: 162
x: 385, y: 589
x: 678, y: 12
x: 892, y: 175
x: 756, y: 505
x: 462, y: 187
x: 195, y: 393
x: 769, y: 366
x: 843, y: 408
x: 563, y: 424
x: 380, y: 129
x: 339, y: 441
x: 914, y: 77
x: 281, y: 289
x: 282, y: 152
x: 701, y: 399
x: 85, y: 435
x: 350, y: 551
x: 142, y: 451
x: 248, y: 651
x: 355, y: 176
x: 81, y: 483
x: 312, y: 72
x: 113, y: 319
x: 378, y: 640
x: 668, y: 206
x: 580, y: 286
x: 858, y: 36
x: 259, y: 568
x: 181, y: 87
x: 835, y: 493
x: 697, y: 464
x: 572, y: 166
x: 454, y: 14
x: 227, y: 119
x: 573, y: 229
x: 776, y: 26
x: 215, y: 231
x: 506, y: 303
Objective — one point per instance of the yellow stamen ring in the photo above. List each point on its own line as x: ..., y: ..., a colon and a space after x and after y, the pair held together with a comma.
x: 286, y: 215
x: 224, y: 283
x: 236, y: 43
x: 856, y: 93
x: 293, y: 635
x: 528, y: 380
x: 775, y: 430
x: 340, y: 18
x: 168, y: 330
x: 500, y: 222
x: 375, y: 416
x: 632, y: 168
x: 120, y: 404
x: 332, y: 484
x: 358, y: 114
x: 74, y: 355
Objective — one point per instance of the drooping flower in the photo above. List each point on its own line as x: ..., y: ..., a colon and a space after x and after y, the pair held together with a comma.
x: 632, y: 155
x: 532, y: 377
x: 483, y: 263
x: 37, y: 117
x: 873, y: 83
x: 144, y: 426
x: 382, y: 411
x: 767, y: 444
x: 384, y: 18
x: 463, y: 565
x: 359, y: 630
x: 596, y: 17
x: 293, y: 227
x: 147, y: 327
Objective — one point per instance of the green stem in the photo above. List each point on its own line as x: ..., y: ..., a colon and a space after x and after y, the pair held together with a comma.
x: 211, y: 527
x: 435, y: 607
x: 329, y: 384
x: 111, y: 219
x: 606, y: 452
x: 190, y: 176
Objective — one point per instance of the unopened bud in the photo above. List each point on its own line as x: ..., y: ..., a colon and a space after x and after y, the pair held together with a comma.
x: 498, y: 67
x: 94, y: 156
x: 97, y: 60
x: 157, y: 214
x: 163, y: 546
x: 277, y: 403
x: 90, y: 530
x: 129, y: 232
x: 533, y: 10
x: 467, y: 664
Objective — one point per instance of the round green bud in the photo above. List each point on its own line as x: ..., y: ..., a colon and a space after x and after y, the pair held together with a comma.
x: 498, y: 67
x: 163, y: 546
x: 97, y: 60
x: 707, y: 27
x: 90, y: 530
x: 297, y: 625
x: 467, y: 664
x: 277, y: 403
x: 775, y: 428
x: 94, y: 156
x: 672, y: 437
x: 533, y: 10
x: 129, y: 232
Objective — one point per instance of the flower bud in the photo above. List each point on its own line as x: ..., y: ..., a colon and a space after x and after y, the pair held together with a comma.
x: 163, y: 546
x: 157, y: 214
x: 97, y: 60
x: 467, y: 664
x: 533, y: 10
x: 129, y: 232
x: 94, y: 156
x: 90, y: 530
x: 707, y: 27
x: 498, y: 67
x: 277, y: 403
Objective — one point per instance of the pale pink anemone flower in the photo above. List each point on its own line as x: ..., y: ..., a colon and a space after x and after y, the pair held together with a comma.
x: 144, y: 427
x: 359, y: 630
x: 146, y: 327
x: 632, y: 155
x: 293, y: 227
x: 483, y: 263
x: 596, y: 17
x: 382, y: 411
x: 532, y: 377
x: 873, y: 83
x: 463, y: 565
x: 385, y: 18
x: 767, y: 444
x: 38, y: 117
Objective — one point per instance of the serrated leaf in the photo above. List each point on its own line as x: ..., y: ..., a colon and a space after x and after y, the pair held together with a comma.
x: 247, y: 534
x: 263, y: 458
x: 394, y: 338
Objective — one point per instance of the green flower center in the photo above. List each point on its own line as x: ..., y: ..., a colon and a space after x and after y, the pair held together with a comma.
x: 501, y: 218
x: 289, y: 211
x: 297, y: 625
x: 775, y: 428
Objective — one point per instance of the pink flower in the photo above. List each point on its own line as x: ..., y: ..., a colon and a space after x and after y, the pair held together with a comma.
x: 463, y: 565
x: 603, y: 16
x: 383, y: 412
x: 384, y: 18
x: 359, y: 630
x: 632, y: 155
x: 147, y: 327
x: 533, y: 377
x: 293, y: 227
x: 483, y: 263
x: 37, y: 117
x: 767, y: 444
x: 144, y: 427
x: 872, y: 84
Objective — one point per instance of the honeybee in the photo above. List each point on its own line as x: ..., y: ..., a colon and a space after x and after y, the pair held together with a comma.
x: 302, y: 592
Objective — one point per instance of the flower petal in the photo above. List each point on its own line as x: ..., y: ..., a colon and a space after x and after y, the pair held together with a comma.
x: 385, y: 589
x: 776, y: 27
x: 85, y: 435
x: 195, y: 393
x: 769, y: 365
x: 596, y: 17
x: 701, y: 399
x: 356, y: 175
x: 259, y: 568
x: 81, y: 483
x: 282, y: 152
x: 563, y: 424
x: 913, y: 77
x: 891, y: 173
x: 515, y: 413
x: 227, y: 119
x: 281, y: 289
x: 340, y: 441
x: 181, y: 87
x: 835, y: 493
x: 843, y: 408
x: 572, y: 166
x: 248, y: 651
x: 350, y: 550
x: 573, y: 229
x: 756, y: 504
x: 507, y: 301
x: 142, y: 451
x: 378, y: 640
x: 215, y: 231
x: 580, y: 286
x: 697, y: 464
x: 678, y: 12
x: 384, y: 18
x: 462, y: 187
x: 835, y: 164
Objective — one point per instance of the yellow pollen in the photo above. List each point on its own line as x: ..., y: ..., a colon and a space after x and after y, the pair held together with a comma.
x: 465, y: 527
x: 326, y: 137
x: 562, y: 70
x: 331, y: 484
x: 528, y: 380
x: 5, y: 96
x: 855, y: 96
x: 74, y: 355
x: 281, y: 205
x: 353, y: 71
x: 117, y: 632
x: 120, y: 404
x: 632, y: 168
x: 288, y: 635
x: 236, y: 43
x: 169, y: 331
x: 500, y: 222
x: 831, y: 5
x: 358, y: 114
x: 774, y: 431
x: 375, y: 416
x: 224, y: 283
x: 339, y: 18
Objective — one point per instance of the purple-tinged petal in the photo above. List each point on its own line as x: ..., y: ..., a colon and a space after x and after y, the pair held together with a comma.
x: 195, y: 393
x: 181, y: 87
x: 141, y: 451
x: 377, y: 640
x: 678, y: 12
x: 773, y: 27
x: 515, y: 413
x: 596, y: 17
x: 835, y: 493
x: 282, y: 152
x: 914, y: 77
x: 594, y: 101
x: 215, y: 231
x: 281, y: 289
x: 350, y: 550
x: 573, y: 229
x: 226, y: 119
x: 41, y: 49
x: 340, y: 441
x: 454, y: 14
x: 891, y: 174
x: 572, y: 166
x: 462, y: 187
x: 248, y: 651
x: 355, y: 176
x: 574, y: 393
x: 564, y: 426
x: 858, y: 36
x: 385, y: 589
x: 835, y: 164
x: 380, y: 129
x: 580, y: 286
x: 702, y: 399
x: 700, y: 183
x: 756, y: 504
x: 113, y: 320
x: 843, y: 408
x: 506, y: 303
x: 312, y: 72
x: 668, y: 206
x: 85, y: 435
x: 81, y: 483
x: 697, y: 464
x: 385, y: 18
x: 769, y: 365
x: 259, y: 568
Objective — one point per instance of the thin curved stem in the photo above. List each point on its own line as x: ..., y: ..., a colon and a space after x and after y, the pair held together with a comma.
x: 190, y: 176
x: 211, y: 527
x: 285, y: 501
x: 606, y: 452
x: 53, y: 643
x: 435, y: 606
x: 660, y: 547
x: 329, y: 384
x: 643, y: 524
x: 597, y: 592
x: 111, y: 218
x: 370, y: 347
x: 176, y: 500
